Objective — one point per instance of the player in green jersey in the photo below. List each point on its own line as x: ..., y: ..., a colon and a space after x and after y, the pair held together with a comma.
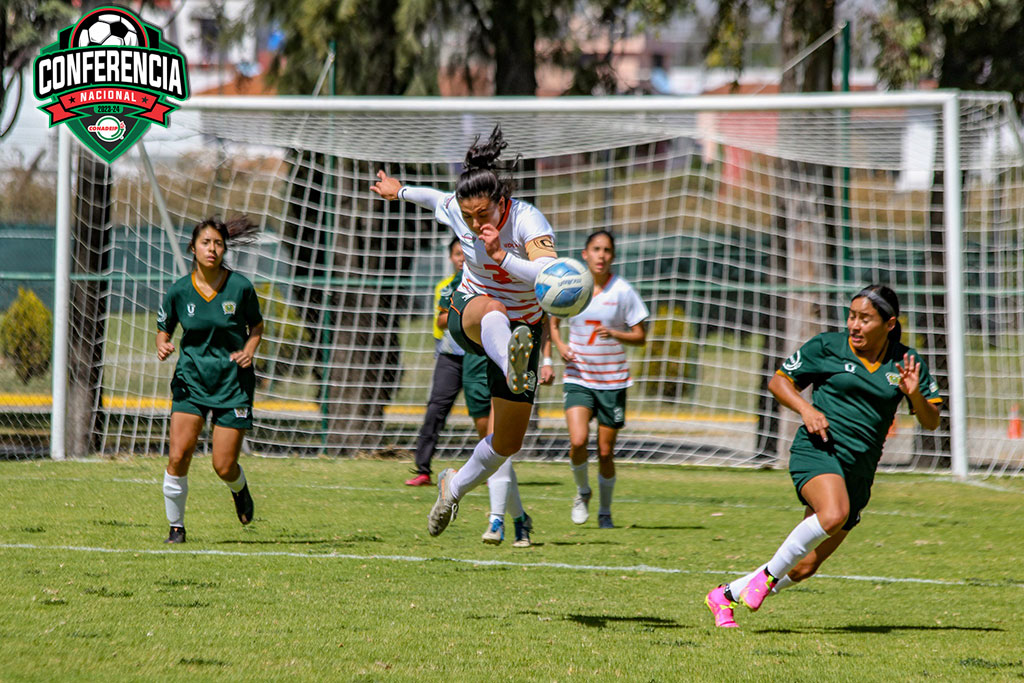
x: 219, y: 313
x: 859, y: 379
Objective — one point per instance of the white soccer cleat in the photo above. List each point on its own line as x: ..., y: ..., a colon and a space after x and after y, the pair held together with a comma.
x: 520, y: 345
x: 495, y: 533
x: 445, y: 507
x: 580, y: 513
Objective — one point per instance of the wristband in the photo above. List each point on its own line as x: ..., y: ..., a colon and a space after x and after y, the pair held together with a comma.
x: 547, y: 362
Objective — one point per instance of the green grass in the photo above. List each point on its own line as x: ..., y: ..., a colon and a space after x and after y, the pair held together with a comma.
x: 324, y: 584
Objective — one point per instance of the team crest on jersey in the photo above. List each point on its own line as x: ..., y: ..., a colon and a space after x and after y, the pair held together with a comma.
x: 893, y: 378
x: 792, y: 363
x: 850, y: 367
x: 241, y: 413
x: 228, y: 307
x: 190, y: 309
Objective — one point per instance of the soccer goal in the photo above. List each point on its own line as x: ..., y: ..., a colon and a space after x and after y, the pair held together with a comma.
x: 745, y: 223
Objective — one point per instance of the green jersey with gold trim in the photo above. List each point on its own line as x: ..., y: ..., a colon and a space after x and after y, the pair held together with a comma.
x: 212, y: 329
x: 860, y: 399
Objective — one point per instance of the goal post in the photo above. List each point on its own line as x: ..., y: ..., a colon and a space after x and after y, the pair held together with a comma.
x: 730, y: 217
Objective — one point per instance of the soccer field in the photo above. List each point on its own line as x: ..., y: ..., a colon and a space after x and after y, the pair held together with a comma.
x: 337, y: 579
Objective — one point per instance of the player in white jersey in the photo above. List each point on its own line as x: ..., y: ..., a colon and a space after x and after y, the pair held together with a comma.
x: 494, y: 312
x: 597, y: 373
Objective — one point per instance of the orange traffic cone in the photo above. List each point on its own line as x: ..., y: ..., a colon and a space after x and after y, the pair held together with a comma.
x: 1014, y: 431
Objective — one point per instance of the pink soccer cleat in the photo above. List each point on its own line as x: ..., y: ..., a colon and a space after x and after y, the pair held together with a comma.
x: 754, y: 593
x: 721, y: 607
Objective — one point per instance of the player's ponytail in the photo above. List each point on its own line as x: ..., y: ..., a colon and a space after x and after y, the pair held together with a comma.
x: 239, y: 230
x: 887, y: 304
x: 480, y: 177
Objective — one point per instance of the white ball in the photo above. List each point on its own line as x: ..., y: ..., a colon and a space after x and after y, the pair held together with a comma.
x: 564, y: 287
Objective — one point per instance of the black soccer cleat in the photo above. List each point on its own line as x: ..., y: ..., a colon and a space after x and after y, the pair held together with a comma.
x: 177, y: 535
x: 243, y: 504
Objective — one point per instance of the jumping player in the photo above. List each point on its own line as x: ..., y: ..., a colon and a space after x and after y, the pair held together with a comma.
x: 494, y: 312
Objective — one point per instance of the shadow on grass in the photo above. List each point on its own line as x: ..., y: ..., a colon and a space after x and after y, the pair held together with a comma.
x: 602, y: 621
x: 691, y: 527
x: 881, y: 629
x: 581, y: 543
x: 540, y: 483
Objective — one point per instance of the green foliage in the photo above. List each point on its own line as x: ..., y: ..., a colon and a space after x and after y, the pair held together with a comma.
x: 26, y: 335
x: 670, y: 368
x: 286, y: 341
x: 973, y: 44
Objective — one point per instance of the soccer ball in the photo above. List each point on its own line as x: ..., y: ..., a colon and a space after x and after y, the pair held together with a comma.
x: 564, y: 287
x: 109, y: 30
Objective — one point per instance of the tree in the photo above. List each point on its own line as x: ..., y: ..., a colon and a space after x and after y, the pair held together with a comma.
x: 967, y: 45
x: 25, y: 26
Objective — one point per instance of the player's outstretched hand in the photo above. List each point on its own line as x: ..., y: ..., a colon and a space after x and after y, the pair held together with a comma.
x: 387, y: 187
x: 243, y: 358
x: 910, y: 374
x: 164, y: 349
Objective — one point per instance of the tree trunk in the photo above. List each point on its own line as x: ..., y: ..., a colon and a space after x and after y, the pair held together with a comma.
x: 90, y: 242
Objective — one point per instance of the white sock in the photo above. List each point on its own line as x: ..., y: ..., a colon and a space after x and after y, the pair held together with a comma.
x: 579, y: 474
x: 605, y: 488
x: 238, y: 484
x: 804, y: 538
x: 498, y: 486
x: 175, y: 495
x: 483, y: 463
x: 515, y: 503
x: 784, y: 583
x: 737, y: 586
x: 495, y: 333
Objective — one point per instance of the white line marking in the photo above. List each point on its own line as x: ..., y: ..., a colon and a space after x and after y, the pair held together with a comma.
x: 639, y: 568
x: 483, y: 492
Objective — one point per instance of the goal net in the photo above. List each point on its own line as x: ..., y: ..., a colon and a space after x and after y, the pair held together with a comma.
x: 745, y: 225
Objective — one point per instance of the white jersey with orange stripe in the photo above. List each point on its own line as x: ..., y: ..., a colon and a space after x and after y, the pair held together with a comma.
x: 601, y: 361
x: 521, y: 223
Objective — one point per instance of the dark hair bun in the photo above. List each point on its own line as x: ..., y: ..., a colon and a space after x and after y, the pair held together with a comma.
x: 484, y: 156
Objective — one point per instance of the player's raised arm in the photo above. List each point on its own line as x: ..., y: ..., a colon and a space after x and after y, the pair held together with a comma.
x: 391, y: 189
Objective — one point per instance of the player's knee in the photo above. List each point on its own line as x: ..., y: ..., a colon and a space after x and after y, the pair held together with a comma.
x: 506, y: 447
x: 226, y: 471
x: 833, y: 518
x: 578, y: 442
x: 606, y: 456
x: 493, y: 305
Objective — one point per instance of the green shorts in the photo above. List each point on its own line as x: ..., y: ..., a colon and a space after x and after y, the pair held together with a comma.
x: 474, y: 385
x: 608, y: 405
x: 235, y: 417
x: 808, y: 459
x: 497, y: 385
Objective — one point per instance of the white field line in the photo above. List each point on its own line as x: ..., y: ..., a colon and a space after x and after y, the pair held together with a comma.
x: 482, y: 492
x: 639, y: 568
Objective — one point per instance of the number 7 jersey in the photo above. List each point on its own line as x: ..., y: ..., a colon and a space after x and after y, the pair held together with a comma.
x: 602, y: 361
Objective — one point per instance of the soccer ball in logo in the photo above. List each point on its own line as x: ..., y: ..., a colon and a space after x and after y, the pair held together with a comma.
x: 108, y: 30
x: 564, y: 287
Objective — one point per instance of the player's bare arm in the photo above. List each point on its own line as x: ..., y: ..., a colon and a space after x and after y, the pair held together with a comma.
x: 786, y: 393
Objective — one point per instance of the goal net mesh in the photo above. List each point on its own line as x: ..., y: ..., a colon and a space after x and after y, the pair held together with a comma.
x: 745, y: 232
